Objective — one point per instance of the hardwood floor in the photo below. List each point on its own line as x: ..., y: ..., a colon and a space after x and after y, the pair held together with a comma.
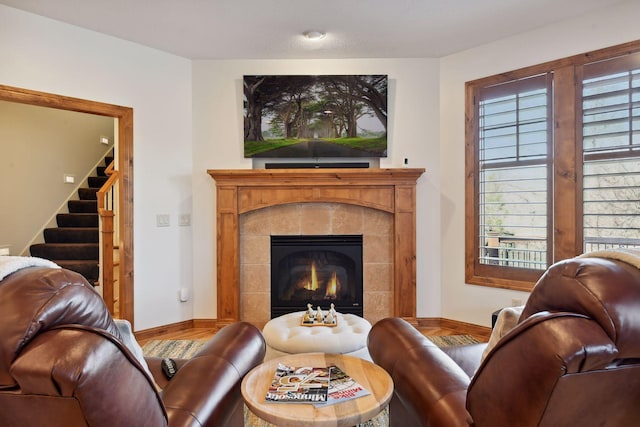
x: 206, y: 333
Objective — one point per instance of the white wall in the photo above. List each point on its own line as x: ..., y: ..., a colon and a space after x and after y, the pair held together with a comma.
x: 470, y: 303
x: 413, y: 133
x: 49, y: 56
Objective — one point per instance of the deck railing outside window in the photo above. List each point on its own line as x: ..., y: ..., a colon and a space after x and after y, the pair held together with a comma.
x: 529, y: 252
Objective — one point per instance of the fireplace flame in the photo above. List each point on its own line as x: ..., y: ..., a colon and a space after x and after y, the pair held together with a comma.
x: 312, y: 285
x: 332, y: 287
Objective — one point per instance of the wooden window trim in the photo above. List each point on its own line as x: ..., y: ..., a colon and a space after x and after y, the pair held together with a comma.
x: 566, y: 236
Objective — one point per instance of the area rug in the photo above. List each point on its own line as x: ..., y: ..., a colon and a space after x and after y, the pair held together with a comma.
x: 448, y: 340
x: 183, y: 349
x: 381, y: 420
x: 176, y: 349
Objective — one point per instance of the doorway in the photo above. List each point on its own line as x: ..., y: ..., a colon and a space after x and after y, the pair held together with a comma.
x: 124, y: 121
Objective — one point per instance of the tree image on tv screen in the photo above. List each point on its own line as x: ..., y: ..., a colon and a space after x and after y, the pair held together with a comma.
x: 315, y: 116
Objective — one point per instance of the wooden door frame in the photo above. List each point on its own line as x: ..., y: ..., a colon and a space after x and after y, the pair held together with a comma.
x: 124, y: 117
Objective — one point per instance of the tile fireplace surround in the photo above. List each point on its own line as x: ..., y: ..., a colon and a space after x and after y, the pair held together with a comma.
x: 251, y: 204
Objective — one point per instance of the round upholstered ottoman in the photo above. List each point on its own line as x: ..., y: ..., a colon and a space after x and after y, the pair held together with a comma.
x: 285, y: 335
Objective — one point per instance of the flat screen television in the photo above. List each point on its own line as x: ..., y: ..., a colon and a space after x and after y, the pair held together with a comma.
x: 315, y: 117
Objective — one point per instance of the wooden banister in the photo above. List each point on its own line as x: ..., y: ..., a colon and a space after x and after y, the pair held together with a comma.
x: 107, y: 212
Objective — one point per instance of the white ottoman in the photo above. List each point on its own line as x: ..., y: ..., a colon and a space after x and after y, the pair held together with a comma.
x: 284, y: 335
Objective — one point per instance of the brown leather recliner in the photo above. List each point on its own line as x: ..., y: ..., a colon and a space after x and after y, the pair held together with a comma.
x: 63, y: 364
x: 572, y: 360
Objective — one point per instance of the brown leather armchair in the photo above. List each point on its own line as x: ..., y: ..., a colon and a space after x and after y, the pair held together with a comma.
x: 63, y: 364
x: 572, y: 360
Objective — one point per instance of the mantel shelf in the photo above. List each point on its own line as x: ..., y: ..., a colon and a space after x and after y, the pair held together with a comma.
x: 346, y: 176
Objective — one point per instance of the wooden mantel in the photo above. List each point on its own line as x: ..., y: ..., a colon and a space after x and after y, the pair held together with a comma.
x: 245, y: 190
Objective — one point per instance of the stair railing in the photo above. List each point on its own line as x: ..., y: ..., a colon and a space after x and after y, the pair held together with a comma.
x: 107, y: 211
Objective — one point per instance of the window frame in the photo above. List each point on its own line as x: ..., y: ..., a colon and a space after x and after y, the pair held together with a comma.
x: 565, y: 220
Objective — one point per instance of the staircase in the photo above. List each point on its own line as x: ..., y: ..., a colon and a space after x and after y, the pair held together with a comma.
x: 74, y: 244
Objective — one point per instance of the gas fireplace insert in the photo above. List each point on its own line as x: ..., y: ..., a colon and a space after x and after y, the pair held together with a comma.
x: 320, y: 270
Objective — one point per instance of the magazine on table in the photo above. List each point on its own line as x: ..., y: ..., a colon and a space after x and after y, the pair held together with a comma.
x: 342, y: 387
x: 299, y: 385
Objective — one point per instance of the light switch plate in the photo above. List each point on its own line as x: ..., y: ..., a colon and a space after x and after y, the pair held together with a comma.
x: 163, y: 220
x: 184, y: 220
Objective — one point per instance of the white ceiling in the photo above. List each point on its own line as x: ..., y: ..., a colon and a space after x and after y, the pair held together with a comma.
x: 271, y: 29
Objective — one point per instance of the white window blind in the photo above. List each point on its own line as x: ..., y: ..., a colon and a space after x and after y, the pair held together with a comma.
x: 514, y: 173
x: 611, y: 153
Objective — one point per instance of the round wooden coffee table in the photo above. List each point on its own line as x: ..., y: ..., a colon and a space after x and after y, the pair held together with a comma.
x: 349, y: 413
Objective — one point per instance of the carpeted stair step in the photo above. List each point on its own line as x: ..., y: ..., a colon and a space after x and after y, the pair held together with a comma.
x: 82, y: 206
x: 77, y: 220
x: 88, y: 193
x: 74, y: 243
x: 71, y: 235
x: 89, y: 269
x: 68, y: 251
x: 97, y: 181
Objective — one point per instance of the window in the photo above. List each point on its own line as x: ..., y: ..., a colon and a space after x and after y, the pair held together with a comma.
x: 553, y: 165
x: 513, y: 173
x: 611, y: 153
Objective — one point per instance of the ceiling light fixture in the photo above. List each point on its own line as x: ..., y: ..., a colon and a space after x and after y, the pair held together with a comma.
x: 314, y: 35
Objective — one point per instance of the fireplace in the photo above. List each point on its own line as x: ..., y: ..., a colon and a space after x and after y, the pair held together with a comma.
x: 317, y: 270
x: 259, y: 196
